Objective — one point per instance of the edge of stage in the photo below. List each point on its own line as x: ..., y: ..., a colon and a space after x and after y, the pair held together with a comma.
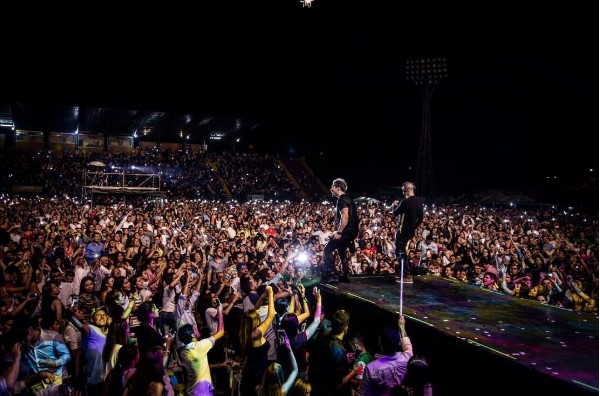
x: 478, y: 341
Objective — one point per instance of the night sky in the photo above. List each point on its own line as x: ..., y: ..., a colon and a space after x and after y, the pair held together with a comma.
x: 520, y: 103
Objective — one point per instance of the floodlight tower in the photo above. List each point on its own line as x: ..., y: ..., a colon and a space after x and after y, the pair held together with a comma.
x: 426, y: 73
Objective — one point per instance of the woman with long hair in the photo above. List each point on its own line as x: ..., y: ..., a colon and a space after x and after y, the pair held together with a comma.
x: 132, y: 252
x: 108, y: 284
x: 300, y: 388
x: 52, y: 307
x: 273, y: 382
x: 118, y: 331
x: 254, y: 345
x: 148, y: 379
x: 118, y: 304
x: 115, y: 381
x: 87, y: 301
x: 417, y: 381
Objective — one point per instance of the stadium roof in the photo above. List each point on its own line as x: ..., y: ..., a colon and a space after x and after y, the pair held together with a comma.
x: 145, y: 124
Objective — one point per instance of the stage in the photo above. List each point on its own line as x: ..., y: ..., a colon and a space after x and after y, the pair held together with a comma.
x: 479, y: 342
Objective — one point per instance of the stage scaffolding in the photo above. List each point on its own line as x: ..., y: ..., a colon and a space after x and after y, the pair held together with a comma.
x: 121, y: 183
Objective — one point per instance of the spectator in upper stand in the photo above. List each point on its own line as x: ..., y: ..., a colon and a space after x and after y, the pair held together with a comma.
x: 389, y: 368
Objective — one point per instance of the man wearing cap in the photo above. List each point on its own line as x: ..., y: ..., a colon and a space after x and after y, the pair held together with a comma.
x: 94, y: 339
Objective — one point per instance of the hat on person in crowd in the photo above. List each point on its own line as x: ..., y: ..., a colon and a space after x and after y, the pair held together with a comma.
x: 240, y: 265
x: 97, y: 309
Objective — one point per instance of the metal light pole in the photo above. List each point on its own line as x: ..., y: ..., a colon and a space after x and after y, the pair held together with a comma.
x: 426, y: 73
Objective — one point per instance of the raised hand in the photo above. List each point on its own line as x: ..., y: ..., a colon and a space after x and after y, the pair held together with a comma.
x: 317, y: 293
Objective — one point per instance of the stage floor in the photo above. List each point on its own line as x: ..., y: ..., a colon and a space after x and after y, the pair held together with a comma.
x: 555, y: 342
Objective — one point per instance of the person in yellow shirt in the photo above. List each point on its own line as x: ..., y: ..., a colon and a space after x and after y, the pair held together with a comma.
x: 193, y: 355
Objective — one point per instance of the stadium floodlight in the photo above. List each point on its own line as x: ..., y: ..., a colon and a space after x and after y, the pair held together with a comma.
x: 426, y: 73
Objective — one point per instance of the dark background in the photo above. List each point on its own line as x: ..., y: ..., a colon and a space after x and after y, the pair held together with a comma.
x: 518, y: 110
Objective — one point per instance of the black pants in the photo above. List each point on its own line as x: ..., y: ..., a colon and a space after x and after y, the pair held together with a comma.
x: 400, y: 242
x: 339, y: 245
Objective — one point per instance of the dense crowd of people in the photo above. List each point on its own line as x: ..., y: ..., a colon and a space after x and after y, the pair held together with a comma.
x: 190, y: 174
x: 190, y: 296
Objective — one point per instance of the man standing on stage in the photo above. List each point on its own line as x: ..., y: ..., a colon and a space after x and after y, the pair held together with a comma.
x: 346, y: 220
x: 410, y: 210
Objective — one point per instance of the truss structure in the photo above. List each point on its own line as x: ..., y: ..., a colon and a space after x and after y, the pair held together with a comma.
x: 119, y: 183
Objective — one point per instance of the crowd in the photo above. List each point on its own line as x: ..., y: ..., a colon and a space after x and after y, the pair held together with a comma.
x: 190, y: 174
x: 189, y: 296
